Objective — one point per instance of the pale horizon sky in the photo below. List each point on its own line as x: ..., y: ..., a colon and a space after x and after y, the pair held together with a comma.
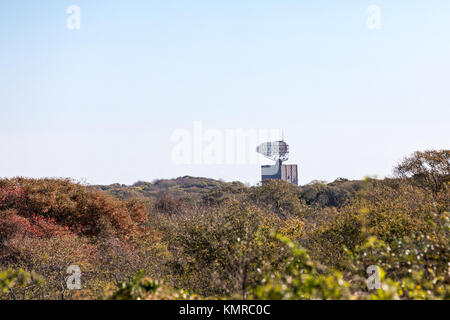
x: 101, y: 104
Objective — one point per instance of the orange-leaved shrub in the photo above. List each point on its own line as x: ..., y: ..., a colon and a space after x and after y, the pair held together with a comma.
x: 84, y: 211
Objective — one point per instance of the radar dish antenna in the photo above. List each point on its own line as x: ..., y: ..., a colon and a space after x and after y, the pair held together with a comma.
x: 276, y: 151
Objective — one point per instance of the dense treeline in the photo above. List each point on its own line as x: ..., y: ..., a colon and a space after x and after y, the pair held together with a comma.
x: 199, y: 238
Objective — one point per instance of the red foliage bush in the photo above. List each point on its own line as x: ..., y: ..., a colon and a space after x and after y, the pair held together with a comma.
x: 56, y: 205
x: 14, y: 225
x: 11, y: 196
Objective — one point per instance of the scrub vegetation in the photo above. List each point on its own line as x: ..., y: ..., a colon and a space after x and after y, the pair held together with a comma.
x: 197, y: 238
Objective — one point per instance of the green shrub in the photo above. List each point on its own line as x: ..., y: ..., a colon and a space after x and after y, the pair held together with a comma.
x: 220, y: 251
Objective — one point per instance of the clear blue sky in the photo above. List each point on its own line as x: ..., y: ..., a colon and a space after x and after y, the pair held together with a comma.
x: 101, y: 103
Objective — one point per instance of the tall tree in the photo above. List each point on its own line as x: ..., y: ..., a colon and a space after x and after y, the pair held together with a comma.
x: 428, y: 169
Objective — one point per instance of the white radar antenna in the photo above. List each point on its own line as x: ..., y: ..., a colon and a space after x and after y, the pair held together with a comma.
x: 276, y: 151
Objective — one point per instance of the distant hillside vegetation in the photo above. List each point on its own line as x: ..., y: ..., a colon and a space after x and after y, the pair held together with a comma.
x: 317, y: 193
x: 181, y: 187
